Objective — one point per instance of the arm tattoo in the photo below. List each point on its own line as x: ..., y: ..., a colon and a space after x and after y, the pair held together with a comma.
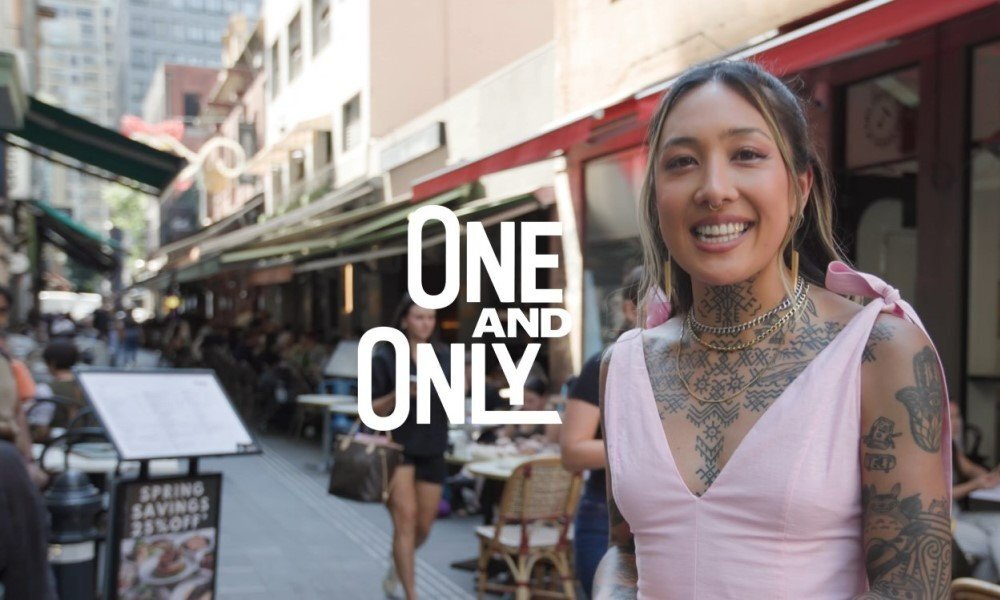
x: 879, y: 333
x: 907, y: 544
x: 880, y: 437
x: 925, y: 401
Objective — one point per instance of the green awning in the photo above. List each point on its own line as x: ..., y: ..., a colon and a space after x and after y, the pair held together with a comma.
x: 198, y: 271
x: 333, y: 237
x: 487, y: 211
x: 90, y: 143
x: 473, y: 211
x: 78, y: 241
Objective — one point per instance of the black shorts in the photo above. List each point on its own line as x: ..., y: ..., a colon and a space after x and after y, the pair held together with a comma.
x: 431, y: 469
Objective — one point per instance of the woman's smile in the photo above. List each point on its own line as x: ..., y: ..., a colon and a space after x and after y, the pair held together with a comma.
x: 720, y: 233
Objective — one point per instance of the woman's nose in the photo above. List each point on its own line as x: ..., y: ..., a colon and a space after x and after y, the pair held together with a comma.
x: 716, y: 186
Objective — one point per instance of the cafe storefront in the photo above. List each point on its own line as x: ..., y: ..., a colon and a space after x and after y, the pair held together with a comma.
x: 903, y: 97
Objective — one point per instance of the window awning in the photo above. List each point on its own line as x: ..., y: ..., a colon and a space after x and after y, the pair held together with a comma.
x: 295, y: 218
x: 392, y: 241
x: 337, y: 234
x: 846, y: 31
x: 75, y: 137
x: 300, y: 136
x: 78, y: 241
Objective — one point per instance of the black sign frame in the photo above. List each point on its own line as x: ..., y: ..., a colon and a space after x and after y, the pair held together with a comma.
x: 118, y: 518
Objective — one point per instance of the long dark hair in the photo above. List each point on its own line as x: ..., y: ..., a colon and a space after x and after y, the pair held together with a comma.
x: 812, y: 230
x: 403, y: 310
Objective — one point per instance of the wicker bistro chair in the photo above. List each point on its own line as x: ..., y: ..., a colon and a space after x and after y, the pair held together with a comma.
x: 967, y: 588
x: 534, y: 524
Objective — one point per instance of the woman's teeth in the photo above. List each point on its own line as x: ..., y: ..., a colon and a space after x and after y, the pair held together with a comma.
x: 720, y: 234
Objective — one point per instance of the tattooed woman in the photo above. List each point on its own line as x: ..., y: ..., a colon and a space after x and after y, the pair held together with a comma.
x: 773, y: 439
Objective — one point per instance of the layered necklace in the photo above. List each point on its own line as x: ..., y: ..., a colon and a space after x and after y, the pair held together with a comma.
x: 792, y: 307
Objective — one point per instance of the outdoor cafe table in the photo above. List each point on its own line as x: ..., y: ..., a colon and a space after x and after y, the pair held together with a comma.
x: 330, y: 404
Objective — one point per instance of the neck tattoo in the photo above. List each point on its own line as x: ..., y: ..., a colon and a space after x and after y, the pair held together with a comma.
x: 726, y: 305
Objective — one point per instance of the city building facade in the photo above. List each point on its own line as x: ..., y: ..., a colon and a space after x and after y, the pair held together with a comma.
x: 187, y: 32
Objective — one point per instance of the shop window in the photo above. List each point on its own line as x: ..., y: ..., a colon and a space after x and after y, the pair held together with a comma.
x: 879, y: 185
x: 984, y: 221
x: 274, y: 73
x: 295, y: 46
x: 277, y: 189
x: 321, y: 24
x: 351, y: 119
x: 612, y: 185
x: 296, y: 166
x: 192, y: 106
x: 882, y: 119
x: 323, y: 148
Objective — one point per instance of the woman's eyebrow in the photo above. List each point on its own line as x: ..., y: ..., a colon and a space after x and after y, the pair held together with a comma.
x: 685, y: 140
x: 738, y: 131
x: 679, y: 140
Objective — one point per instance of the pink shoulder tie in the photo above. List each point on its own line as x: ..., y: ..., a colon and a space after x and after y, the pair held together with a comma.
x: 658, y: 308
x: 842, y: 279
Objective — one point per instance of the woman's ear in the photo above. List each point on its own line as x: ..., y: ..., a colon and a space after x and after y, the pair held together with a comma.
x: 804, y: 182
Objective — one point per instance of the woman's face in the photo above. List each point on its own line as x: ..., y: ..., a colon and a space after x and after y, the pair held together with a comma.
x: 419, y: 323
x: 717, y: 152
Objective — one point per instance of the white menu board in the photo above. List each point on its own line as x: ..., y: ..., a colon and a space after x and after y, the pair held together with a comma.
x: 173, y: 413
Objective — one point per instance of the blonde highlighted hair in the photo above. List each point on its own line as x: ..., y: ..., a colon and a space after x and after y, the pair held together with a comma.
x: 812, y: 228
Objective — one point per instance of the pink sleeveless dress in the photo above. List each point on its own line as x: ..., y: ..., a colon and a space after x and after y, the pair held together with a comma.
x: 783, y: 518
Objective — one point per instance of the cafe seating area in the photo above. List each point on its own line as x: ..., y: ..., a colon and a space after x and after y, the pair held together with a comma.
x: 534, y: 524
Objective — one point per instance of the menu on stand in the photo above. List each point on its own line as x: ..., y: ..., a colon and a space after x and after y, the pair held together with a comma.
x: 166, y: 413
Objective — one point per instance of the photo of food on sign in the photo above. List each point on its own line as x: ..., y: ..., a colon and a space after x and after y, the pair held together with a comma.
x: 168, y: 539
x: 168, y: 567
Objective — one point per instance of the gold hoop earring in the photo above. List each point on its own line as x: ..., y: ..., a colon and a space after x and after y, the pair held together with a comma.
x: 668, y: 281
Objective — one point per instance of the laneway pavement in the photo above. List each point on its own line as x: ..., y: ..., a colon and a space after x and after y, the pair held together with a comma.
x: 283, y: 536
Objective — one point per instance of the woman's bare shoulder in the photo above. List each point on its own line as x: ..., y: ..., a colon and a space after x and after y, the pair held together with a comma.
x: 831, y: 306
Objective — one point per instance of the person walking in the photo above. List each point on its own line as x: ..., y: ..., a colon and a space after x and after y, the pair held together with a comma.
x: 774, y: 439
x: 582, y: 449
x: 416, y: 485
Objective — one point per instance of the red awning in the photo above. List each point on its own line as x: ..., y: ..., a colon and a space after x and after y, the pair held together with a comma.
x: 824, y: 40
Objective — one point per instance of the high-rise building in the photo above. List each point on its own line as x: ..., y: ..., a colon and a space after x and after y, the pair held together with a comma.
x: 186, y: 32
x: 76, y: 68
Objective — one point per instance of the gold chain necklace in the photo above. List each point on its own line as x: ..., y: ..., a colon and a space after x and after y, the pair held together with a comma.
x: 680, y: 375
x: 786, y: 304
x: 799, y: 302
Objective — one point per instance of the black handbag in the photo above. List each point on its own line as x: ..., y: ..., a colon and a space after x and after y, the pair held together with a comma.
x: 363, y: 465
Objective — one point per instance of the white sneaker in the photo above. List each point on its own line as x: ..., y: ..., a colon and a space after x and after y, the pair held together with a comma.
x: 390, y: 583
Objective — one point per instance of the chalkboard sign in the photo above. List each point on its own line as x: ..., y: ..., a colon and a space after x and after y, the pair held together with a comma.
x: 165, y: 413
x: 164, y: 540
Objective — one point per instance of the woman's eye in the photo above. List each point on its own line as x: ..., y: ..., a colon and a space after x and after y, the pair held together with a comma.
x: 746, y: 154
x: 679, y: 162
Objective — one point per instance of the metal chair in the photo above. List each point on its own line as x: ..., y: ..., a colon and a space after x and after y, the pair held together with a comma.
x: 534, y: 525
x: 967, y: 588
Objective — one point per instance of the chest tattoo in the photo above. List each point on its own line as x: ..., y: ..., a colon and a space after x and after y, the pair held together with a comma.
x: 763, y: 372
